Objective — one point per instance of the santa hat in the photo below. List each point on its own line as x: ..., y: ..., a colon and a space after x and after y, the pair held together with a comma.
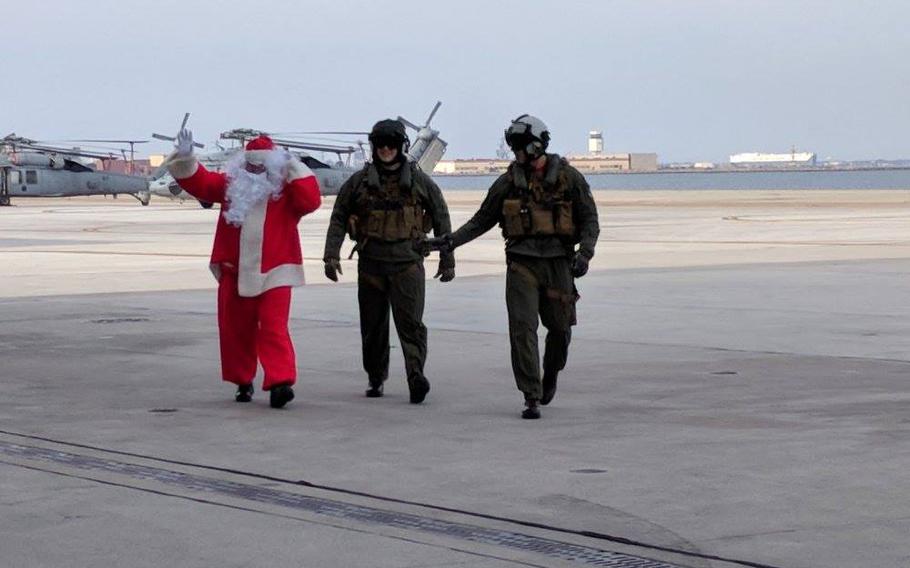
x: 258, y: 148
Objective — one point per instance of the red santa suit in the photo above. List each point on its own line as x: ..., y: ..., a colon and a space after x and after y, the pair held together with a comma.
x: 256, y: 256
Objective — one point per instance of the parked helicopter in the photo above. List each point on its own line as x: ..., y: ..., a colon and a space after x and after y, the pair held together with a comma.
x: 426, y: 150
x: 29, y: 168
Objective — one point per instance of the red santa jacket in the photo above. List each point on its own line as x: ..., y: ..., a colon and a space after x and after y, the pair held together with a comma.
x: 266, y: 248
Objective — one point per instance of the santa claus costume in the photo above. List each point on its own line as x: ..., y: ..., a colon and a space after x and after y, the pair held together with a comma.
x: 256, y: 257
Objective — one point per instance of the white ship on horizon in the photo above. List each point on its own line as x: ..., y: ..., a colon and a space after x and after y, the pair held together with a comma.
x: 762, y: 158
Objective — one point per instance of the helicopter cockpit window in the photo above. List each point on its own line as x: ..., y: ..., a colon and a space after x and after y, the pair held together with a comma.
x: 15, y: 178
x: 31, y: 176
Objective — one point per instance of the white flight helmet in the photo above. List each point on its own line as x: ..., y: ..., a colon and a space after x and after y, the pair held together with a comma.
x: 528, y: 133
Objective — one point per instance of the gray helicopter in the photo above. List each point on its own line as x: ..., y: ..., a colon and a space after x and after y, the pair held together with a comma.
x: 426, y: 150
x: 29, y: 168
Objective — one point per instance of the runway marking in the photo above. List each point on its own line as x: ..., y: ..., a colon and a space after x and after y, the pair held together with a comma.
x: 336, y: 509
x: 331, y: 489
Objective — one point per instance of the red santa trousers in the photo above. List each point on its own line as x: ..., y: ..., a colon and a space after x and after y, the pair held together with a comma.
x: 255, y: 328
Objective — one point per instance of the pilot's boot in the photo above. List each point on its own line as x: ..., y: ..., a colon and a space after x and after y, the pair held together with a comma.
x: 280, y: 395
x: 532, y: 412
x: 375, y: 390
x: 418, y: 386
x: 549, y: 387
x: 244, y: 393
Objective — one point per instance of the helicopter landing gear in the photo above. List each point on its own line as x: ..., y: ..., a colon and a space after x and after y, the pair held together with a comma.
x: 142, y: 197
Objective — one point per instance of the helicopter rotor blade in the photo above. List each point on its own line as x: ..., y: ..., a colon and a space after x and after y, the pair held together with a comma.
x: 345, y: 132
x: 173, y: 139
x: 335, y: 149
x: 432, y: 113
x: 68, y: 151
x: 407, y: 122
x: 104, y: 141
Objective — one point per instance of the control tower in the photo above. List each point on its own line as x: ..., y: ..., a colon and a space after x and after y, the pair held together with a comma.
x: 595, y: 142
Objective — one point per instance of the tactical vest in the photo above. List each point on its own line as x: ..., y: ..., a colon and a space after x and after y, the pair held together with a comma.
x: 538, y: 207
x: 390, y: 210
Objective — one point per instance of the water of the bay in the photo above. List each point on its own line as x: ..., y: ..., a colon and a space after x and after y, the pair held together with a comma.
x: 852, y: 179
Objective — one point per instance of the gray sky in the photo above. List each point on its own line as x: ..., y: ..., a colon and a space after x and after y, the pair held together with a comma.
x: 690, y: 80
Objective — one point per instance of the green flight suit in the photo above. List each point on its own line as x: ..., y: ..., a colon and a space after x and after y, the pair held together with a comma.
x: 539, y: 281
x: 390, y: 271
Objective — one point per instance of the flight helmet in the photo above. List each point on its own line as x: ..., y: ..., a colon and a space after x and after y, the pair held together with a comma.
x: 528, y: 133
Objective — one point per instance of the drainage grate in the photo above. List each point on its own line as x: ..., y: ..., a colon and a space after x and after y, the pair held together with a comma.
x: 338, y: 509
x: 119, y: 320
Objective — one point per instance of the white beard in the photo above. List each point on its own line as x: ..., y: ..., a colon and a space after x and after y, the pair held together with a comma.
x: 245, y: 189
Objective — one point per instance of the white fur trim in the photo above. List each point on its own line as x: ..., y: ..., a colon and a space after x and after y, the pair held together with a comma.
x: 256, y: 157
x: 297, y: 170
x: 250, y: 279
x: 181, y: 167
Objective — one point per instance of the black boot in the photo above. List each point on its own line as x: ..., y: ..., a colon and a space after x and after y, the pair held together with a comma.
x: 532, y: 412
x: 280, y: 395
x: 375, y: 390
x: 244, y: 393
x: 549, y: 387
x: 419, y: 386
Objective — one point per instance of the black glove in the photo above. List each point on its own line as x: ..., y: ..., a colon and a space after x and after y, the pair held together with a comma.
x: 446, y: 272
x: 443, y: 244
x: 579, y: 265
x: 332, y: 268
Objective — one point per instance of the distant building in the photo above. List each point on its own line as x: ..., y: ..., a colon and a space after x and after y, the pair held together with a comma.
x: 758, y: 159
x: 595, y: 142
x: 604, y: 163
x: 139, y: 167
x: 472, y: 166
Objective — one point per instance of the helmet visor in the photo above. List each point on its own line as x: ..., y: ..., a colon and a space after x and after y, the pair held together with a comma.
x: 519, y: 141
x: 383, y: 141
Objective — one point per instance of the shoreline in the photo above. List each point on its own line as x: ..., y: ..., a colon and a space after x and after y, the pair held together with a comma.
x: 86, y: 245
x: 707, y: 171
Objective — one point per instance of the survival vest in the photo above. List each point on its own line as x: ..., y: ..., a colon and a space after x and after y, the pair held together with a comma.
x: 538, y: 207
x: 389, y: 210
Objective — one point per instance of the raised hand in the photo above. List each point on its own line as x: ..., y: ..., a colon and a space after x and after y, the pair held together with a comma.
x: 184, y: 143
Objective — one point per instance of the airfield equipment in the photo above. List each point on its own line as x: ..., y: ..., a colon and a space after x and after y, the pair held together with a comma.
x: 426, y: 151
x: 29, y: 168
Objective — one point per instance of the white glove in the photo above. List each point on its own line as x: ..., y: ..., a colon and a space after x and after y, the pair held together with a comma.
x: 184, y: 144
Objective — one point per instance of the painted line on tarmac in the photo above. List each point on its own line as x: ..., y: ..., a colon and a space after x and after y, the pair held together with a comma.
x: 332, y: 508
x: 584, y: 554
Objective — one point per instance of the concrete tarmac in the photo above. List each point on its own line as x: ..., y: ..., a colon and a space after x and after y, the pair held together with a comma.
x: 736, y: 395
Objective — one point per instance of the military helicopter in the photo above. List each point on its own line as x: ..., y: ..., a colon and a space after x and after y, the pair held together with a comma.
x: 426, y: 150
x: 29, y: 168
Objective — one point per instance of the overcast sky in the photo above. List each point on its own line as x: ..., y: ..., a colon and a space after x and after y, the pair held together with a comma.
x: 690, y: 80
